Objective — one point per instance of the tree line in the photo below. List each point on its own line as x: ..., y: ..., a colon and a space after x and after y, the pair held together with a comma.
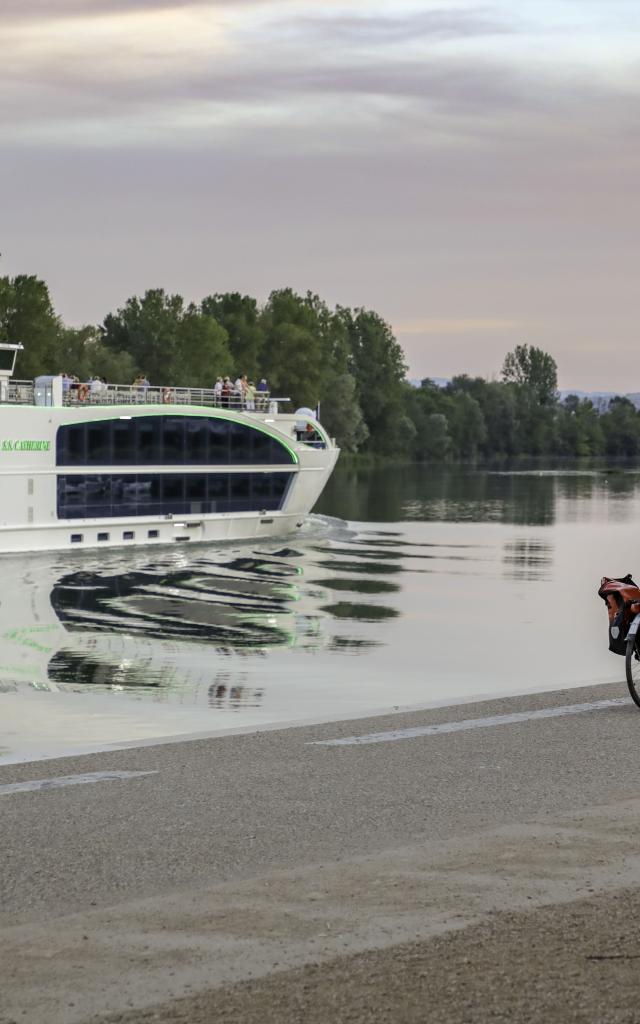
x: 345, y: 360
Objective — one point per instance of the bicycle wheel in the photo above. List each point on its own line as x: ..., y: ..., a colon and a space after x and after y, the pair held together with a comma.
x: 632, y: 666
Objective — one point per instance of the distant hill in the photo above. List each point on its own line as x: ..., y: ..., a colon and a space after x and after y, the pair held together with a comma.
x: 600, y: 399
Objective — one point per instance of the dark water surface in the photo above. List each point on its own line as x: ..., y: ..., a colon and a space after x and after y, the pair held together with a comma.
x: 409, y: 585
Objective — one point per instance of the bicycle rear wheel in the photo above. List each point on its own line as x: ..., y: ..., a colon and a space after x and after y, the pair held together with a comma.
x: 632, y: 666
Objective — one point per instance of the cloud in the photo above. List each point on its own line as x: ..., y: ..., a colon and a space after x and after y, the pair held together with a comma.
x: 410, y: 26
x: 455, y: 325
x: 44, y: 10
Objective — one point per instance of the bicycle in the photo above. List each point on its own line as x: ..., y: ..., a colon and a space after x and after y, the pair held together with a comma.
x: 622, y: 598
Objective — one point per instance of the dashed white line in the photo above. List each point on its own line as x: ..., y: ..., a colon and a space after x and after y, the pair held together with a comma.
x: 470, y: 723
x: 68, y: 780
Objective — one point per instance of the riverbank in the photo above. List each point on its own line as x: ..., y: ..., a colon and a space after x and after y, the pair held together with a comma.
x: 284, y: 876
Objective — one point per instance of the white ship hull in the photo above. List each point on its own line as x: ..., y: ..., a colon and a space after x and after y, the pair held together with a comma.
x: 46, y: 497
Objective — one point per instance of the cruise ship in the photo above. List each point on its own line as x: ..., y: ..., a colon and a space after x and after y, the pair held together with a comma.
x: 100, y: 465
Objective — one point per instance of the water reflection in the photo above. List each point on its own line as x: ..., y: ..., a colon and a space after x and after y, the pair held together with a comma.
x: 360, y: 612
x: 223, y: 627
x: 161, y: 625
x: 527, y: 559
x: 523, y: 496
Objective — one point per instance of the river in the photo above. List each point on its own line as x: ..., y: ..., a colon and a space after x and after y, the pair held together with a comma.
x: 408, y: 586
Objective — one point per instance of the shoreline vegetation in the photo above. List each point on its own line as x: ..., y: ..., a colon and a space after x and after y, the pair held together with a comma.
x: 346, y: 361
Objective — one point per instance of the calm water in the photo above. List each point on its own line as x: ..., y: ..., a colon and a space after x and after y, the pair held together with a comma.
x: 408, y: 586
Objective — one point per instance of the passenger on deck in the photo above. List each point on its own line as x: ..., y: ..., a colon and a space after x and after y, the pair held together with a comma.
x: 250, y: 396
x: 217, y: 391
x: 96, y: 387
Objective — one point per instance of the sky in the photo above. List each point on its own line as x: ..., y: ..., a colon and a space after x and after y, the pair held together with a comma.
x: 468, y: 169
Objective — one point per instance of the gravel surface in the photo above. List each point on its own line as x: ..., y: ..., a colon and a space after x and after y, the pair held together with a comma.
x: 461, y: 877
x: 559, y: 965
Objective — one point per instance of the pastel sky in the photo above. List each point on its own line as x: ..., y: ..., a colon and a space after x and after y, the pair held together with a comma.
x: 468, y: 169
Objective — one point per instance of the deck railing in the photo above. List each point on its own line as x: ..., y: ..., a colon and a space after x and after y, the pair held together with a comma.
x: 131, y: 394
x: 22, y: 392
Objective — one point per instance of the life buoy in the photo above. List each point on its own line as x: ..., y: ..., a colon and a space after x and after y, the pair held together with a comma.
x: 167, y: 396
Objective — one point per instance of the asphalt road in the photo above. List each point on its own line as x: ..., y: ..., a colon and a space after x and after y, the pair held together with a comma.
x: 267, y: 876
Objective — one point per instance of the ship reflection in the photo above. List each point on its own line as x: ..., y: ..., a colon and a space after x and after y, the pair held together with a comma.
x: 173, y: 629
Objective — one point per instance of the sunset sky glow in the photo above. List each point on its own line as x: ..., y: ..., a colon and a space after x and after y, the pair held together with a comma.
x: 468, y: 169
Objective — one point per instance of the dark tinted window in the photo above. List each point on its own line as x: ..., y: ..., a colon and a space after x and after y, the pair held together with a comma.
x: 124, y: 443
x: 152, y: 494
x: 173, y: 440
x: 196, y: 441
x: 195, y: 487
x: 218, y: 442
x: 99, y: 443
x: 149, y: 440
x: 167, y: 440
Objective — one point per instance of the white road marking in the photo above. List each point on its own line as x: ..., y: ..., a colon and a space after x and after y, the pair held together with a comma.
x: 470, y: 723
x: 68, y: 780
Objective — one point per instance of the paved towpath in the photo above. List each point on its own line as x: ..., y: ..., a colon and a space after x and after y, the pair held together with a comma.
x: 478, y: 868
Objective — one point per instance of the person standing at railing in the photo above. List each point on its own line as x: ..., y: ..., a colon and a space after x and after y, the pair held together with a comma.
x: 250, y: 395
x: 263, y: 391
x: 217, y: 391
x: 227, y: 389
x: 96, y: 387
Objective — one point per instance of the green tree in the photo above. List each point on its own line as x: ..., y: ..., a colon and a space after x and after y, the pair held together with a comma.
x: 534, y: 369
x: 341, y: 413
x: 147, y: 329
x: 467, y: 426
x: 379, y: 369
x: 27, y: 317
x: 169, y: 343
x: 621, y: 428
x: 81, y: 352
x: 499, y: 405
x: 297, y: 357
x: 201, y: 352
x: 578, y: 429
x: 240, y: 317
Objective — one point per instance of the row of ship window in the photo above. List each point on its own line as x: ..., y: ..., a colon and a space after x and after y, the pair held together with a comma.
x: 78, y: 538
x: 168, y: 441
x: 81, y: 496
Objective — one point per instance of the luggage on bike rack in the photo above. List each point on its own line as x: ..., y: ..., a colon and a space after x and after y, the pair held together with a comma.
x: 622, y: 598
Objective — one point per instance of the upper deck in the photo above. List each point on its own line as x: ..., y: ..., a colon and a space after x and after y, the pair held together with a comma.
x: 51, y: 391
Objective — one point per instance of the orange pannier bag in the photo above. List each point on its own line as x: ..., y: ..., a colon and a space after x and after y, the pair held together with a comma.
x: 622, y: 598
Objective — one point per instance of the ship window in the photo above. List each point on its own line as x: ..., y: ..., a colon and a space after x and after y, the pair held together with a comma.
x: 172, y: 440
x: 240, y: 489
x: 123, y: 441
x: 218, y: 441
x: 103, y: 536
x: 172, y: 489
x: 196, y: 441
x: 105, y: 495
x: 261, y: 486
x: 168, y: 440
x: 77, y: 538
x: 153, y: 534
x: 128, y: 535
x: 241, y: 444
x: 99, y: 443
x: 279, y: 484
x: 149, y: 441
